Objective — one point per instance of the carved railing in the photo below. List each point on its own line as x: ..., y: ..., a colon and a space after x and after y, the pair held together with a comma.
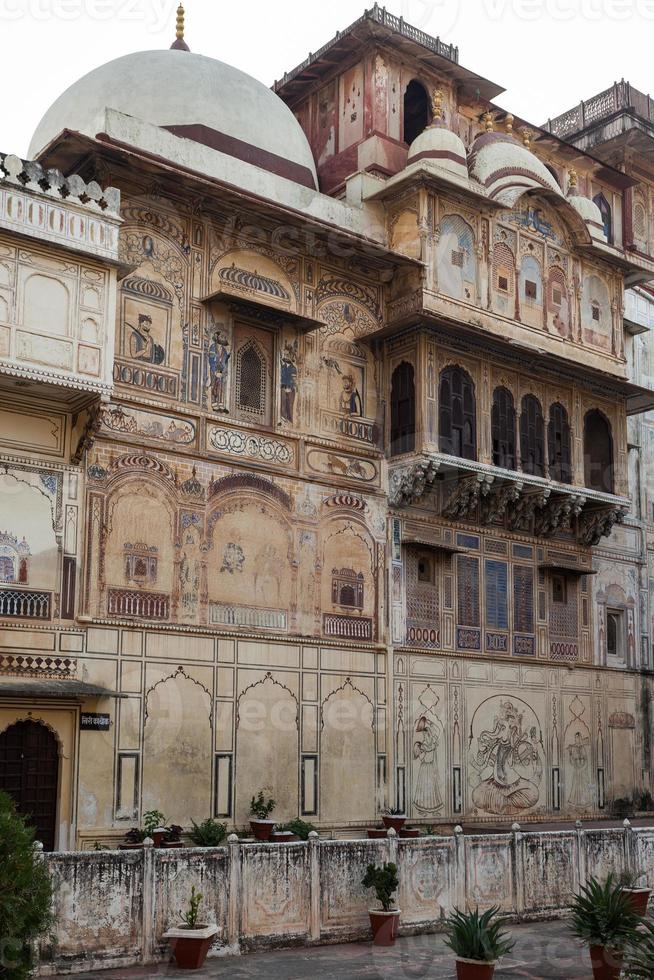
x: 347, y: 627
x: 134, y: 603
x: 30, y: 175
x: 620, y: 96
x: 25, y: 604
x: 37, y: 666
x: 266, y: 619
x: 380, y: 16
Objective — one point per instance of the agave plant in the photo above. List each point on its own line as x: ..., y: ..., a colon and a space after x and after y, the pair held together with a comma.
x: 475, y: 936
x: 602, y: 915
x: 640, y: 953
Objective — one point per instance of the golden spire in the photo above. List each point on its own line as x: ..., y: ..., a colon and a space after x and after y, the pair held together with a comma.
x: 509, y: 124
x: 488, y: 121
x: 572, y: 178
x: 179, y: 44
x: 437, y: 105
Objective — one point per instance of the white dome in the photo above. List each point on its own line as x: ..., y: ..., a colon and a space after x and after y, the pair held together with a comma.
x: 506, y: 168
x: 590, y: 213
x: 192, y: 96
x: 440, y: 145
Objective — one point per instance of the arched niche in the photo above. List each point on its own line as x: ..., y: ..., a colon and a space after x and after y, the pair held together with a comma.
x: 456, y: 260
x: 246, y: 271
x: 27, y: 534
x: 347, y: 756
x: 139, y: 549
x: 267, y: 748
x: 178, y: 749
x: 46, y: 305
x: 348, y: 562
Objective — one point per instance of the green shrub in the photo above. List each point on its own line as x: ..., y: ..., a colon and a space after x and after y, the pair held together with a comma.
x: 640, y: 953
x: 260, y: 808
x: 478, y: 937
x: 301, y: 828
x: 25, y: 894
x: 602, y: 915
x: 192, y: 916
x: 209, y: 833
x: 385, y: 882
x: 153, y: 820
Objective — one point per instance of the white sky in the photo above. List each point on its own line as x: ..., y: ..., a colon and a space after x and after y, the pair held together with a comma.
x: 548, y: 54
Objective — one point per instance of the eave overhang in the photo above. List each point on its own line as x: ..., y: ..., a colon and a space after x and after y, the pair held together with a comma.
x: 254, y: 304
x: 54, y: 690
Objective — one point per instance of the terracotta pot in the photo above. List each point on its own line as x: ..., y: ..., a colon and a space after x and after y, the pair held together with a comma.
x: 377, y: 833
x: 606, y: 962
x: 384, y: 926
x: 474, y: 969
x: 283, y: 836
x: 158, y: 836
x: 190, y: 946
x: 396, y: 822
x: 410, y: 833
x: 262, y: 829
x: 639, y: 898
x: 172, y: 843
x: 130, y: 847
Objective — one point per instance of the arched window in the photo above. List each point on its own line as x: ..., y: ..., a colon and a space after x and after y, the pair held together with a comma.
x: 598, y: 453
x: 605, y: 211
x: 503, y: 429
x: 457, y: 416
x: 417, y: 111
x: 532, y: 437
x: 558, y: 445
x: 250, y: 380
x: 403, y: 409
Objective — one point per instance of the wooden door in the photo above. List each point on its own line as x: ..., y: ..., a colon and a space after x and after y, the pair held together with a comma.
x: 29, y: 773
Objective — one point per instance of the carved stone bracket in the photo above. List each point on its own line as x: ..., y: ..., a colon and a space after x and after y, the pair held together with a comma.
x: 463, y: 500
x: 409, y: 484
x: 557, y: 514
x: 522, y: 513
x: 495, y: 504
x: 598, y: 523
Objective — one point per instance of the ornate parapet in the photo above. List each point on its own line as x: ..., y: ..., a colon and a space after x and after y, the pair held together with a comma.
x: 61, y: 210
x: 465, y: 490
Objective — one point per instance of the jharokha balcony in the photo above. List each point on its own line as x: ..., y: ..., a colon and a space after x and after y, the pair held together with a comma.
x: 466, y: 490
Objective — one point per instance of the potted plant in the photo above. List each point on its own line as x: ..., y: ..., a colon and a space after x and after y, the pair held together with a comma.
x: 410, y: 833
x: 377, y: 833
x: 173, y: 836
x: 394, y: 818
x: 298, y: 829
x: 154, y: 826
x: 209, y: 833
x: 478, y: 940
x: 192, y: 940
x: 603, y: 917
x: 639, y: 897
x: 640, y: 953
x: 260, y: 809
x: 384, y: 921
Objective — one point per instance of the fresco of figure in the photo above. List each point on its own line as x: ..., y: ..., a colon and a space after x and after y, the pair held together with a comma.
x: 506, y: 756
x: 350, y: 400
x: 141, y: 343
x: 288, y: 381
x: 427, y: 794
x: 219, y: 355
x: 579, y: 788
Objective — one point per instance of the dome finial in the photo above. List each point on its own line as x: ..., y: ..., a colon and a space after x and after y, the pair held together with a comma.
x: 509, y: 124
x: 179, y: 43
x: 437, y: 105
x: 526, y: 137
x: 488, y: 121
x: 572, y: 178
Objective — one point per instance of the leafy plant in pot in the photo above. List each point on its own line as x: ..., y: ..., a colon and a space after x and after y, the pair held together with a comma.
x: 603, y: 917
x: 383, y: 922
x: 394, y: 818
x: 192, y: 940
x: 260, y: 810
x: 209, y: 833
x: 478, y: 940
x: 640, y: 953
x: 639, y: 896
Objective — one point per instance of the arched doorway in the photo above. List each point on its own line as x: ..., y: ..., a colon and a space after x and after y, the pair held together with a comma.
x: 29, y: 773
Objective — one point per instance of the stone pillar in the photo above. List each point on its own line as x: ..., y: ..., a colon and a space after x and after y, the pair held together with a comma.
x: 392, y: 845
x: 459, y: 868
x: 234, y: 908
x: 580, y: 857
x: 314, y: 886
x: 629, y: 848
x: 518, y: 869
x: 147, y: 930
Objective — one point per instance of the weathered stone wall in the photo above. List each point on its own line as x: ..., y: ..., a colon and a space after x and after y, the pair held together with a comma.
x: 114, y: 907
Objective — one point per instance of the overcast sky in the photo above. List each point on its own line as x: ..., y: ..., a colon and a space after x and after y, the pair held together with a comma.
x: 547, y: 54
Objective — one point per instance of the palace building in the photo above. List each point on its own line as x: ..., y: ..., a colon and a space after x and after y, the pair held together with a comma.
x: 324, y: 455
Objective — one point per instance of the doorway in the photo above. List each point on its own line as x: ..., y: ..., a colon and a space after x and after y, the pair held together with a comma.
x: 29, y: 773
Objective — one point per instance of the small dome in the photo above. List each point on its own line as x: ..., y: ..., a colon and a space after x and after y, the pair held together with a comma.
x: 590, y: 213
x: 192, y: 96
x: 507, y: 168
x: 440, y: 145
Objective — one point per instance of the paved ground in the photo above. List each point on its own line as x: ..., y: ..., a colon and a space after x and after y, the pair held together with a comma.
x: 544, y: 951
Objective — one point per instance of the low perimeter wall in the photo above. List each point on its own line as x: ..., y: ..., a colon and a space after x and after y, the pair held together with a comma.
x: 112, y: 907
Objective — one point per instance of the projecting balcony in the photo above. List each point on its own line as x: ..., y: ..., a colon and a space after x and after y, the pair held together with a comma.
x: 21, y: 603
x: 58, y: 262
x: 465, y: 490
